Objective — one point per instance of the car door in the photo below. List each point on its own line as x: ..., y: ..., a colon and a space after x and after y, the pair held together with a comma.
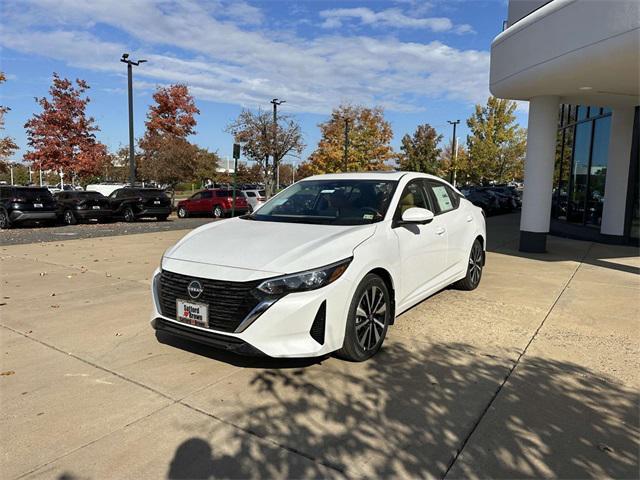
x: 193, y: 203
x: 457, y: 221
x: 422, y: 248
x: 206, y: 203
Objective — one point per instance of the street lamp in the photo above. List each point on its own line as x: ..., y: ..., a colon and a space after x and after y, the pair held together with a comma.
x: 130, y: 64
x: 275, y: 102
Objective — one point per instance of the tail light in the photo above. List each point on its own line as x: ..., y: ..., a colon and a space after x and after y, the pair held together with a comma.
x: 18, y: 200
x: 262, y: 199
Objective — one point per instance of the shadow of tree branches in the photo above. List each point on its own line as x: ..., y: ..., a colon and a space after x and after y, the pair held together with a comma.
x: 407, y: 412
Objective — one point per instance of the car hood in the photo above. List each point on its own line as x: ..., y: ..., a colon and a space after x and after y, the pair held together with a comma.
x: 269, y: 247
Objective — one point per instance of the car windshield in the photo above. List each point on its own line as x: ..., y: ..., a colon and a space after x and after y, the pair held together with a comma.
x: 329, y: 202
x: 148, y: 192
x: 30, y: 194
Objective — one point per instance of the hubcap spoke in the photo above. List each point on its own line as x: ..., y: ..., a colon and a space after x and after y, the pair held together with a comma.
x: 370, y: 318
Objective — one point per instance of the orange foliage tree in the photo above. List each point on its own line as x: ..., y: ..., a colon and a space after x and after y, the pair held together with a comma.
x: 62, y: 137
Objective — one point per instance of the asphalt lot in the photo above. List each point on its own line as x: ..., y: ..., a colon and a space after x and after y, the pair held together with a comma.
x: 42, y: 233
x: 534, y: 374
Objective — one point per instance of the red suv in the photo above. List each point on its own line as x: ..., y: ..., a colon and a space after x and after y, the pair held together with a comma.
x: 216, y: 202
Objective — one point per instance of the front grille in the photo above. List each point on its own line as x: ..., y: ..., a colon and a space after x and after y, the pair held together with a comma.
x: 229, y: 302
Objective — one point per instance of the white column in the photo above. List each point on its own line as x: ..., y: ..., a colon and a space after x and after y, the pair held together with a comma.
x: 619, y: 155
x: 538, y: 173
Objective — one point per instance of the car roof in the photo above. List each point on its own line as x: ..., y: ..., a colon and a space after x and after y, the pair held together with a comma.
x: 385, y: 175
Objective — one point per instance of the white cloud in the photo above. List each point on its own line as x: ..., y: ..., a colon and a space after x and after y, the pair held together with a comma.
x: 223, y: 61
x: 391, y: 17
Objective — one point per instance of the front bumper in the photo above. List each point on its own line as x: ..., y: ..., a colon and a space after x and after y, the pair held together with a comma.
x: 19, y: 215
x: 153, y: 212
x: 283, y: 330
x: 89, y: 214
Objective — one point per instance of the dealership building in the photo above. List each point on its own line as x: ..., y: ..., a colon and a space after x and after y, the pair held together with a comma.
x: 577, y: 63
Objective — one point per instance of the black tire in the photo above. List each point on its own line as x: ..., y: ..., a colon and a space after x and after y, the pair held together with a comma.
x: 162, y: 218
x: 368, y: 320
x: 129, y: 216
x: 68, y: 218
x: 474, y: 268
x: 5, y: 221
x: 218, y: 212
x: 182, y: 212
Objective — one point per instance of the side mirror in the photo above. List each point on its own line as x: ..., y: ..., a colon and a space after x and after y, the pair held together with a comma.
x: 417, y: 215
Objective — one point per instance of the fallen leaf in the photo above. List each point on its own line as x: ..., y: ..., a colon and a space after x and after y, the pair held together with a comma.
x: 7, y: 373
x: 42, y: 274
x: 107, y: 274
x: 118, y: 334
x: 53, y: 294
x: 55, y: 306
x: 605, y: 448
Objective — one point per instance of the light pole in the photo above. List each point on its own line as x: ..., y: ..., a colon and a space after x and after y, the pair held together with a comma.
x: 454, y: 152
x: 275, y: 102
x: 236, y: 157
x: 132, y: 161
x: 346, y: 144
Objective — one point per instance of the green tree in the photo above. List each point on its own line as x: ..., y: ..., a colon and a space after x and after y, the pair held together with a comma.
x: 420, y: 152
x: 496, y: 144
x: 369, y: 136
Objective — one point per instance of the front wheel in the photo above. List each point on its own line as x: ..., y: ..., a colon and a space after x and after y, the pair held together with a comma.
x: 182, y: 212
x: 474, y: 268
x: 369, y: 318
x: 5, y: 222
x: 129, y: 215
x: 69, y: 218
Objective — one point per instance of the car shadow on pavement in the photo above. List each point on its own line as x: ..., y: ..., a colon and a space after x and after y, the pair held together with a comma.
x: 408, y: 411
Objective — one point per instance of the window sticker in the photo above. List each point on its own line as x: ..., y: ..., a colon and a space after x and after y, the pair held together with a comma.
x: 327, y: 191
x: 367, y: 216
x: 444, y: 202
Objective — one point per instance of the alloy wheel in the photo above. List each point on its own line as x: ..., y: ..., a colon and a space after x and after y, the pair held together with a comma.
x: 182, y: 213
x: 128, y: 215
x: 3, y: 220
x: 68, y: 217
x: 371, y: 315
x: 475, y: 263
x: 217, y: 212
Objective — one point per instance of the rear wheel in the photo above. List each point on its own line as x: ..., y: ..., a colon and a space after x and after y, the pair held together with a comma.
x: 218, y: 212
x: 474, y: 268
x: 69, y: 218
x: 182, y: 212
x: 5, y: 222
x: 369, y: 317
x: 129, y: 215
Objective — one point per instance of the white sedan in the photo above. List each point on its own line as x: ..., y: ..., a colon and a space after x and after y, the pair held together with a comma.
x: 324, y: 266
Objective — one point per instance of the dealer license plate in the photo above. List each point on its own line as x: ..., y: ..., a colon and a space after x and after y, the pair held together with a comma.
x: 96, y: 207
x: 37, y: 205
x: 192, y: 313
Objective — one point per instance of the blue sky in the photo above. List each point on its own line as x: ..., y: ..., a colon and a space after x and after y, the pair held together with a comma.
x: 423, y: 61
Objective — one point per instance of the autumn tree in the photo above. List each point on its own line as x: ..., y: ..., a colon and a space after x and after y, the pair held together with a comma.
x: 420, y: 152
x: 255, y: 131
x: 62, y: 137
x: 496, y: 144
x: 167, y: 156
x: 458, y: 167
x: 369, y: 136
x: 7, y: 145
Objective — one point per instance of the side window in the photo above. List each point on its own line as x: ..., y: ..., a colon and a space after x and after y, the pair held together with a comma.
x: 207, y: 194
x: 196, y: 196
x: 413, y: 195
x: 442, y: 196
x: 4, y: 193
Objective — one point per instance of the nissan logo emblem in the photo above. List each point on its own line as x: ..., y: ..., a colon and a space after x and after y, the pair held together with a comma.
x: 195, y: 289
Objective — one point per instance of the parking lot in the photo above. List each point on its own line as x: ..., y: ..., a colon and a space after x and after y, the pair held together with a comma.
x: 533, y: 374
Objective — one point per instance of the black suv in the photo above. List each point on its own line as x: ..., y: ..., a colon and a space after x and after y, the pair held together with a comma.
x: 19, y: 204
x: 135, y: 203
x: 74, y: 207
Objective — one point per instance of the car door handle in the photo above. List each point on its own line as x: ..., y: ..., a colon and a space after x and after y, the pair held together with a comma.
x: 440, y: 231
x: 469, y: 218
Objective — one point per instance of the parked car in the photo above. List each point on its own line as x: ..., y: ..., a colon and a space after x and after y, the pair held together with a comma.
x: 509, y: 191
x: 132, y: 203
x: 255, y: 198
x: 325, y: 273
x: 488, y: 202
x: 74, y: 207
x: 216, y: 202
x: 20, y: 204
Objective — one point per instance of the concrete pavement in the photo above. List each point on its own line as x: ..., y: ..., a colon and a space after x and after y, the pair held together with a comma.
x: 532, y: 374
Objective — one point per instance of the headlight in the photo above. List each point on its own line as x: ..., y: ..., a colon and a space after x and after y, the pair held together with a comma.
x: 304, y: 281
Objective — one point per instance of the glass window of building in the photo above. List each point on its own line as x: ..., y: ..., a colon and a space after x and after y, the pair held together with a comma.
x: 581, y: 164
